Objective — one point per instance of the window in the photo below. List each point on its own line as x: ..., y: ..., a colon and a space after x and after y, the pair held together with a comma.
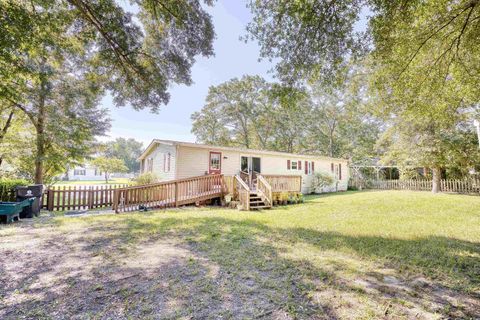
x: 79, y: 172
x: 150, y: 165
x: 294, y: 165
x: 166, y: 162
x: 309, y: 167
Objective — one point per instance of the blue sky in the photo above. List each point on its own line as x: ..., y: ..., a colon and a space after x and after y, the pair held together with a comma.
x: 233, y: 58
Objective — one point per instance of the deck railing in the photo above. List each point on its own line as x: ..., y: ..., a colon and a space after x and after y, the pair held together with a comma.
x: 243, y: 192
x: 265, y: 190
x: 284, y: 183
x: 169, y: 194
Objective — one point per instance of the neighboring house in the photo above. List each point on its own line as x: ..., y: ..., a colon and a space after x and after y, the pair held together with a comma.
x: 90, y: 173
x: 176, y: 160
x: 85, y: 172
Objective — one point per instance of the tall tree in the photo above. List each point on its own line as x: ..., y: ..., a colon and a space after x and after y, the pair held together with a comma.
x: 308, y: 39
x: 282, y: 118
x: 424, y: 58
x: 128, y: 150
x: 239, y: 105
x: 48, y: 43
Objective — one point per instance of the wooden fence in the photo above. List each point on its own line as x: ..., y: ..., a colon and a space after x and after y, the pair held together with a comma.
x: 467, y: 186
x: 79, y: 197
x: 169, y: 193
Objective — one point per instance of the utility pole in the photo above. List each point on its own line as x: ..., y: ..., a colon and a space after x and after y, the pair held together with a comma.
x: 476, y: 123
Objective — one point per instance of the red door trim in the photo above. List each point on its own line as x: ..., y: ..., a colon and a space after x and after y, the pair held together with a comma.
x: 214, y: 171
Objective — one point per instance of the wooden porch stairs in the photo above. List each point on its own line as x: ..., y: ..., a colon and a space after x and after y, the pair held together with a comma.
x: 257, y: 197
x: 257, y: 202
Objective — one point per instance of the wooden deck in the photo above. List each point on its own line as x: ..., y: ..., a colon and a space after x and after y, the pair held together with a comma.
x: 176, y: 193
x: 169, y: 194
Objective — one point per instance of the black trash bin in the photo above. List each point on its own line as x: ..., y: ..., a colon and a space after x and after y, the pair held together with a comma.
x: 33, y: 191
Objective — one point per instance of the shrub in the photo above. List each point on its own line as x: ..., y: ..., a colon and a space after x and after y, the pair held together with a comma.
x: 321, y: 180
x: 7, y: 188
x: 147, y: 178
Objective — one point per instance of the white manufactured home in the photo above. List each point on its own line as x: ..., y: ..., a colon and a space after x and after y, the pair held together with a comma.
x: 172, y: 160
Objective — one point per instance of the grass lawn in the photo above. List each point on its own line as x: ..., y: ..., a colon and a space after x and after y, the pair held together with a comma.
x: 93, y: 182
x: 363, y: 255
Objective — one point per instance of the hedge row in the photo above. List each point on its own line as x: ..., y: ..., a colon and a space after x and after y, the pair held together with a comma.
x: 7, y: 188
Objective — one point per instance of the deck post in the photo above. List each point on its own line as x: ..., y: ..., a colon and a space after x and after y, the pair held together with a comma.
x: 176, y: 194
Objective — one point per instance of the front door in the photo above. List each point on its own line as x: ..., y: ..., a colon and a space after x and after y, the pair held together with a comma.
x: 250, y: 166
x: 215, y: 163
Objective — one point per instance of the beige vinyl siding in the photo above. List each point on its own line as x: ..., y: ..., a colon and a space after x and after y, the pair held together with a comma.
x: 193, y: 161
x: 158, y: 157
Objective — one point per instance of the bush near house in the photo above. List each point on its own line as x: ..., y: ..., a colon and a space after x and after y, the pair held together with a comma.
x: 147, y: 178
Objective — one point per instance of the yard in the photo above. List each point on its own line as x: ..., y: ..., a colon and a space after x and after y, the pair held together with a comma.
x: 385, y: 254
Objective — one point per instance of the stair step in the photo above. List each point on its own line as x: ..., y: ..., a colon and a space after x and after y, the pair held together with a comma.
x: 257, y: 201
x: 260, y: 207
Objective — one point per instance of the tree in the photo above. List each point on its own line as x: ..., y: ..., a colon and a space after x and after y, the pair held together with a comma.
x: 288, y: 118
x: 312, y: 39
x: 424, y: 62
x: 232, y: 113
x: 51, y: 45
x: 127, y: 150
x: 342, y: 122
x: 109, y: 166
x: 253, y: 113
x: 309, y: 39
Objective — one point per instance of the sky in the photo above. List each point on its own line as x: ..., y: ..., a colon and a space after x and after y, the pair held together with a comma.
x: 233, y: 58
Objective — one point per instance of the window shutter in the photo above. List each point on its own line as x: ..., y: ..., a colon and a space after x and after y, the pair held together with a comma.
x: 313, y: 167
x: 306, y: 167
x: 288, y: 164
x: 332, y: 167
x: 299, y: 165
x: 168, y: 166
x: 340, y: 171
x: 164, y: 162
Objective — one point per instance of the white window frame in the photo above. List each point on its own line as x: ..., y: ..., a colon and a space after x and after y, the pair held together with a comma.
x: 293, y: 165
x: 79, y: 172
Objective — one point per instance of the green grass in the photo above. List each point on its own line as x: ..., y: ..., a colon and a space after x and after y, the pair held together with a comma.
x: 348, y: 255
x: 93, y: 182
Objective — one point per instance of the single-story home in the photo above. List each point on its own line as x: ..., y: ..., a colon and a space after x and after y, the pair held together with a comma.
x: 88, y: 172
x: 172, y: 160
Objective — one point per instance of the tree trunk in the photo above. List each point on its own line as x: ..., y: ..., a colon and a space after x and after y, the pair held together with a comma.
x: 437, y: 175
x: 40, y: 143
x: 40, y: 126
x: 4, y: 130
x: 106, y: 177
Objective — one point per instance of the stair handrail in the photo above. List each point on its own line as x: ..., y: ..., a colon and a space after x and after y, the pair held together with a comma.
x: 265, y: 188
x: 243, y: 192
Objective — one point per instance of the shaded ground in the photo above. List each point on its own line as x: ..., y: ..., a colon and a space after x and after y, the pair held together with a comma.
x: 386, y: 255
